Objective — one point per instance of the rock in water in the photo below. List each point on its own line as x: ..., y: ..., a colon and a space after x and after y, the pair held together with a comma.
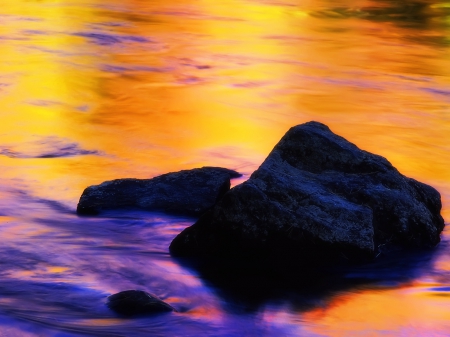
x: 317, y: 198
x: 188, y: 192
x: 135, y: 302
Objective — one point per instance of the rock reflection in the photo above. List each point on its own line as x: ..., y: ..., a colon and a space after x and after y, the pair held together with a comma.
x: 250, y: 288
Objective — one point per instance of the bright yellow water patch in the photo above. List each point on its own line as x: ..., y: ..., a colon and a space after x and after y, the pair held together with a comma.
x: 211, y: 84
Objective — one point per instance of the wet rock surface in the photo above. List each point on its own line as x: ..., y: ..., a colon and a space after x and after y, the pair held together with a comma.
x: 317, y: 198
x: 137, y: 302
x: 187, y: 192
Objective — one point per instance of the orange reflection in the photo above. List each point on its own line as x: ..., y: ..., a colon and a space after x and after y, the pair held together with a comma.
x: 56, y: 269
x: 409, y: 311
x: 186, y: 84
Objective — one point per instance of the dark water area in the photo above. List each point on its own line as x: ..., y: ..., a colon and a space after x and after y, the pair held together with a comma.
x: 93, y: 91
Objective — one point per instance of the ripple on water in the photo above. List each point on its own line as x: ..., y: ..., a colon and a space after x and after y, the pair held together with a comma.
x: 45, y: 147
x: 104, y: 39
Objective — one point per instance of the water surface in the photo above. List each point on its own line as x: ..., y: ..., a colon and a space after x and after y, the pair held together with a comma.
x: 93, y: 90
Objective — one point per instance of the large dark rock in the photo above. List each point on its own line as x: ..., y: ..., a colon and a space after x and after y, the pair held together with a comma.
x: 187, y: 192
x: 317, y: 198
x: 136, y: 302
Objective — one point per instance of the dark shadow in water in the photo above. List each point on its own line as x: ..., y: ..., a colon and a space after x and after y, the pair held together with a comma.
x: 247, y: 288
x: 416, y: 14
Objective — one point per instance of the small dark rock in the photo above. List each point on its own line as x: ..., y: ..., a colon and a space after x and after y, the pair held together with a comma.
x: 187, y: 192
x: 317, y: 198
x: 136, y: 302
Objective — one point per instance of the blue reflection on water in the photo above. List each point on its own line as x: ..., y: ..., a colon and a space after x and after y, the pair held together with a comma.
x: 104, y: 39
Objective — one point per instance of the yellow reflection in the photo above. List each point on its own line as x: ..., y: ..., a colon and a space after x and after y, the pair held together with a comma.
x: 162, y: 86
x: 40, y: 67
x: 57, y: 269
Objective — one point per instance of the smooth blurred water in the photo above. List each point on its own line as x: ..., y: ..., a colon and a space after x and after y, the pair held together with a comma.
x: 92, y: 91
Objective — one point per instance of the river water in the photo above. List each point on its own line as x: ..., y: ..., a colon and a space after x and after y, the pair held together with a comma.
x: 95, y: 90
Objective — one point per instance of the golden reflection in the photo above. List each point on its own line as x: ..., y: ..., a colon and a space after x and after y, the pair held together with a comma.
x: 409, y: 311
x: 187, y: 84
x: 57, y: 269
x: 42, y: 86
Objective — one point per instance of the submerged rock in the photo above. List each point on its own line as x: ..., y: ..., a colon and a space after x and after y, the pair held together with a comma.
x: 317, y: 198
x: 187, y: 192
x: 135, y: 302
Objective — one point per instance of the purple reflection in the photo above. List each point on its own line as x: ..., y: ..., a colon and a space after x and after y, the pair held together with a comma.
x: 120, y: 69
x: 34, y: 32
x: 46, y: 147
x: 110, y: 39
x: 43, y: 102
x: 441, y: 92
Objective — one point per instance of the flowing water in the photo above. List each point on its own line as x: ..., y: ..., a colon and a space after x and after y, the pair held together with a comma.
x: 95, y: 90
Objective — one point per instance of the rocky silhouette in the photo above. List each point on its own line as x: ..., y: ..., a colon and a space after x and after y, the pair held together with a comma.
x: 136, y: 302
x: 187, y: 192
x: 317, y: 198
